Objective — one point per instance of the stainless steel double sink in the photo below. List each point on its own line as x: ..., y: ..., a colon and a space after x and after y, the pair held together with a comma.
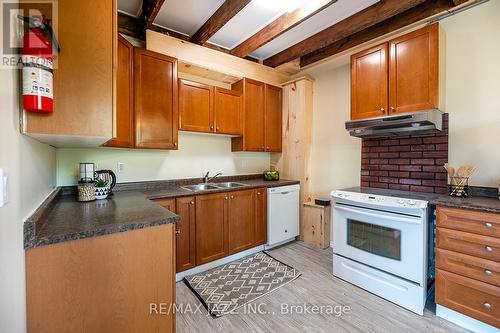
x: 213, y: 186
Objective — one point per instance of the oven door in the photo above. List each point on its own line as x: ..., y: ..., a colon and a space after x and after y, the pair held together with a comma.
x: 391, y: 242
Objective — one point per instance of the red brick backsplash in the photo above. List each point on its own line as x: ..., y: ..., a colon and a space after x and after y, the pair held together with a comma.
x: 408, y: 163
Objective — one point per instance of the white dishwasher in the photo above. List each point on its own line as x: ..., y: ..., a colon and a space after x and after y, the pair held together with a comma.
x: 283, y: 213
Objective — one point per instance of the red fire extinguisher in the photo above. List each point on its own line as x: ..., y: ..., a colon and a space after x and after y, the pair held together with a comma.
x: 36, y: 54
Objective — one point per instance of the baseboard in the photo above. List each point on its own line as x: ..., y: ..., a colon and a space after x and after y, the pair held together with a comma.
x: 464, y: 321
x: 268, y: 247
x: 198, y: 269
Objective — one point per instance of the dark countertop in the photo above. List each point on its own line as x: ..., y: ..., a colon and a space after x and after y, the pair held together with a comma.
x: 68, y: 219
x: 175, y: 191
x: 62, y: 218
x: 483, y: 204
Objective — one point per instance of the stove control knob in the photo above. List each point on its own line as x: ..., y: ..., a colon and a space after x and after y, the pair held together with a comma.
x: 412, y: 203
x: 401, y: 201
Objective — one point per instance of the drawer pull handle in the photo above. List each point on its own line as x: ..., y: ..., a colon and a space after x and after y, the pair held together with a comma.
x: 487, y: 305
x: 488, y: 248
x: 488, y: 272
x: 177, y: 231
x: 488, y: 225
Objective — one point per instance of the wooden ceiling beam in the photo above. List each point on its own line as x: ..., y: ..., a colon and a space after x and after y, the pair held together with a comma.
x: 413, y: 15
x: 150, y: 9
x: 221, y: 16
x: 279, y: 26
x: 364, y: 19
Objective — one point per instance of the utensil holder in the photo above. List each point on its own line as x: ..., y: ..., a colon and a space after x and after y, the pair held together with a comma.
x: 459, y: 187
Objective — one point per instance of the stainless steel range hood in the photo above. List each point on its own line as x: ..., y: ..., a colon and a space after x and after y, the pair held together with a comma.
x: 401, y: 124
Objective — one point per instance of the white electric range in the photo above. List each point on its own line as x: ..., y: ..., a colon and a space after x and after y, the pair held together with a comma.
x: 381, y: 243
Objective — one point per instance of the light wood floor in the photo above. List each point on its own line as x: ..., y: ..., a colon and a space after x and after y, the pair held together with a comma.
x: 316, y: 286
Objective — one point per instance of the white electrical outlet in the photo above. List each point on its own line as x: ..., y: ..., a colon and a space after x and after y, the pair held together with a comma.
x: 120, y: 167
x: 3, y: 188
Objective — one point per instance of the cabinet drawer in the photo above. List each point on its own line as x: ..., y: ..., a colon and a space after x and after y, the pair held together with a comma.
x: 476, y: 268
x: 473, y: 298
x: 487, y: 224
x: 467, y: 243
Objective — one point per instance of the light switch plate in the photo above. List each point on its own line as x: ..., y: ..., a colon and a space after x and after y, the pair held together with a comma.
x: 3, y: 188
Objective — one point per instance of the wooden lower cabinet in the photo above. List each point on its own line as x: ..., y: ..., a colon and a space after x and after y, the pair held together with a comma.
x: 102, y: 284
x: 260, y: 216
x: 473, y: 298
x: 211, y: 227
x: 241, y: 220
x: 185, y: 240
x: 468, y: 263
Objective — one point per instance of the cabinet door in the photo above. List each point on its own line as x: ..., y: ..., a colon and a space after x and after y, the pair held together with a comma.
x: 124, y: 96
x: 369, y: 83
x: 260, y: 216
x: 273, y: 118
x: 254, y: 136
x: 167, y: 204
x: 185, y: 234
x: 413, y: 71
x: 195, y: 107
x: 156, y: 107
x: 211, y: 227
x: 228, y: 111
x: 241, y: 220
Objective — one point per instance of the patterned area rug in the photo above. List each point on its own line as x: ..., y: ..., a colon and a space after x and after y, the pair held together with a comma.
x: 226, y: 288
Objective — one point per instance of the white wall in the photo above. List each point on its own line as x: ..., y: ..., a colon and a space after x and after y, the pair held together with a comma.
x: 473, y: 90
x: 471, y: 97
x: 197, y: 154
x: 31, y: 169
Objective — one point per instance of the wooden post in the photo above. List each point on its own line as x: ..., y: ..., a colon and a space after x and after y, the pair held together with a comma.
x: 294, y: 162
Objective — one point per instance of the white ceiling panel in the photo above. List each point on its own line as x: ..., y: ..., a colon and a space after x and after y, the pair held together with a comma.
x: 335, y: 13
x: 186, y: 16
x: 132, y: 7
x: 255, y: 16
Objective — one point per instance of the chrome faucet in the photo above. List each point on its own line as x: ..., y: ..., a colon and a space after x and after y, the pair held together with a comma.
x: 206, y: 179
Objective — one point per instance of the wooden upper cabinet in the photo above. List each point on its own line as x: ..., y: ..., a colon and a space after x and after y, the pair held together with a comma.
x: 262, y: 113
x: 369, y: 94
x: 413, y: 72
x: 196, y: 112
x: 124, y: 96
x: 156, y: 100
x: 397, y: 77
x: 84, y: 77
x: 185, y: 240
x: 211, y: 227
x: 273, y: 118
x: 228, y: 111
x: 260, y: 216
x: 253, y: 138
x: 241, y: 220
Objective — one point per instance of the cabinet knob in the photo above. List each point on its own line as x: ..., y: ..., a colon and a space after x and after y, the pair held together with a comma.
x: 177, y: 231
x: 488, y: 225
x: 232, y: 197
x: 382, y: 110
x: 175, y: 144
x: 258, y: 193
x: 226, y: 198
x: 192, y: 202
x: 268, y: 148
x: 217, y: 128
x: 211, y: 127
x: 488, y: 248
x: 392, y: 109
x: 488, y: 272
x: 487, y: 305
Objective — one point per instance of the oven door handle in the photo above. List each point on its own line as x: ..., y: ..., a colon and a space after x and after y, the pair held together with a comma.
x: 399, y: 218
